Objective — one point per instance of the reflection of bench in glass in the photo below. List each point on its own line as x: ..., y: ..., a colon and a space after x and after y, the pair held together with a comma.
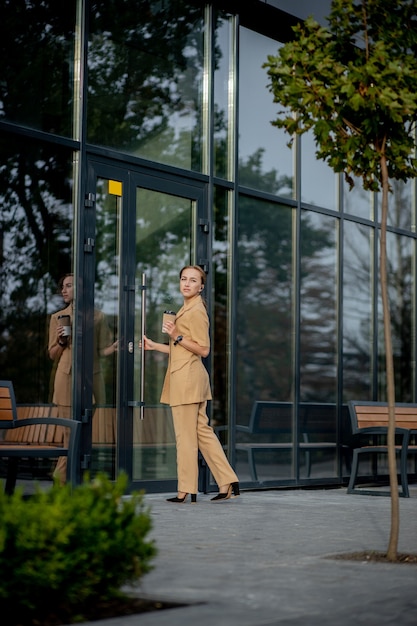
x: 274, y: 421
x: 155, y: 429
x: 155, y: 433
x: 154, y: 455
x: 104, y: 429
x: 104, y: 426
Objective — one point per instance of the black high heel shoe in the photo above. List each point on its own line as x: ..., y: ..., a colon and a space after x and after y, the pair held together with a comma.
x: 177, y: 499
x: 232, y: 488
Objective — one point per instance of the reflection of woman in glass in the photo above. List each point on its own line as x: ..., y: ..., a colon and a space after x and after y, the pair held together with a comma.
x: 187, y: 388
x: 60, y: 351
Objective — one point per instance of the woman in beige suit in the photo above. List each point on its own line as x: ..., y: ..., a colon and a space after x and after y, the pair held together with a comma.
x: 187, y: 389
x: 60, y: 351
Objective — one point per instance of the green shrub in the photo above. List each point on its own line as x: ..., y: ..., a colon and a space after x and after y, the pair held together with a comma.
x: 66, y: 548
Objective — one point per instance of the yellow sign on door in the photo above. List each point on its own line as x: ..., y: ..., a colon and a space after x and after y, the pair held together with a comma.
x: 115, y: 188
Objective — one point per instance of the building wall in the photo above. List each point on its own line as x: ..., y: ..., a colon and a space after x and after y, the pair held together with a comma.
x: 179, y: 92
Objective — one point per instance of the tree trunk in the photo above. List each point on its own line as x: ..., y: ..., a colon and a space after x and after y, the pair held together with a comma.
x: 390, y: 380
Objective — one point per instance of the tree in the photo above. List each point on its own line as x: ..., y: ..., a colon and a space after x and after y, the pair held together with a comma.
x: 353, y: 85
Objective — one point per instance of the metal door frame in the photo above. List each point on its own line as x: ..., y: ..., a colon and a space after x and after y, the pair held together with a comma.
x: 158, y: 181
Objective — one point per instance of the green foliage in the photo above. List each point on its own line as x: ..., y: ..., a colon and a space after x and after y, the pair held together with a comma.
x: 353, y: 85
x: 64, y: 548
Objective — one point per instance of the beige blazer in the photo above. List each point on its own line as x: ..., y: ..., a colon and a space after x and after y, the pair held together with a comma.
x: 186, y: 380
x: 62, y: 381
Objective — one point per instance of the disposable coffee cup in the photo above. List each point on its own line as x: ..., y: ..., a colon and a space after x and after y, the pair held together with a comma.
x: 65, y: 321
x: 168, y: 316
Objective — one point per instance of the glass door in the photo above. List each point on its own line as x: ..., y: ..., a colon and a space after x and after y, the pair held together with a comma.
x: 145, y: 231
x: 164, y: 243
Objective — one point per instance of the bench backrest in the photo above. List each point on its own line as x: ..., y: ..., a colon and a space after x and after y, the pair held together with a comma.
x: 276, y: 418
x: 375, y: 414
x: 8, y: 414
x: 156, y: 428
x: 270, y: 418
x: 35, y: 433
x: 318, y: 418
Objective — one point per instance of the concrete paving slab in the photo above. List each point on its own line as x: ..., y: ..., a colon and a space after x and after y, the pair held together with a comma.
x: 262, y: 560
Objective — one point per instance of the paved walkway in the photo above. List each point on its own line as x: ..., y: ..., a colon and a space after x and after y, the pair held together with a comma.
x: 260, y: 560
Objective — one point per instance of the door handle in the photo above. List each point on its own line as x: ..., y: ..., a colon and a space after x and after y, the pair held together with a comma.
x: 142, y: 352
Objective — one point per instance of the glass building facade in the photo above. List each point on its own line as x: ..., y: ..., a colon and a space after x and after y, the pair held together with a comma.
x: 135, y: 138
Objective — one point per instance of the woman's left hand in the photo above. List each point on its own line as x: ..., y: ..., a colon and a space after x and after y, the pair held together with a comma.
x: 171, y: 329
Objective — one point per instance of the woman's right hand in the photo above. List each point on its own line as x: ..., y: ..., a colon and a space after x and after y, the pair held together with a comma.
x: 60, y: 338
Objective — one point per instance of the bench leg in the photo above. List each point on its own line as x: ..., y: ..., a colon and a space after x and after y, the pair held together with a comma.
x: 347, y: 455
x: 368, y: 492
x: 403, y: 472
x: 308, y: 462
x: 252, y: 465
x: 353, y: 472
x: 70, y: 471
x: 12, y: 466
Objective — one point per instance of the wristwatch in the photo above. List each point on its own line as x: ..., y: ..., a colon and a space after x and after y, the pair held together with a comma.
x: 178, y: 339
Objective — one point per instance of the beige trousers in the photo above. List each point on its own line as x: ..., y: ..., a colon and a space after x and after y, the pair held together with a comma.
x: 193, y: 433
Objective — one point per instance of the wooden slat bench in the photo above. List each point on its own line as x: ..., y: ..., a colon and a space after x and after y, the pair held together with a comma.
x: 370, y: 428
x: 274, y: 420
x: 35, y: 434
x: 37, y: 437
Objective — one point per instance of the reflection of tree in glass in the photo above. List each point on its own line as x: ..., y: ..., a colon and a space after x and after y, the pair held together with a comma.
x: 36, y: 48
x: 163, y: 246
x: 145, y: 71
x: 36, y: 222
x: 251, y: 174
x: 357, y: 200
x: 400, y: 210
x: 266, y: 284
x: 400, y: 286
x: 265, y: 287
x: 258, y: 248
x: 358, y: 322
x: 318, y: 314
x: 357, y: 311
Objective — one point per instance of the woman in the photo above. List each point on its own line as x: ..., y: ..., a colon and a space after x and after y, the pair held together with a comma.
x: 187, y: 388
x: 60, y: 351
